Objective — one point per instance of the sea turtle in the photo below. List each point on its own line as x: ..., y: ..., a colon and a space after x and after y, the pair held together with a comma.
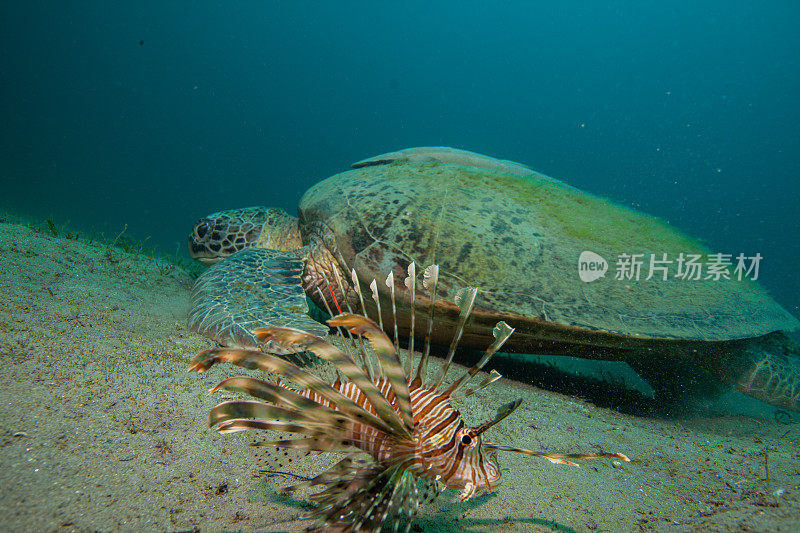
x: 519, y: 236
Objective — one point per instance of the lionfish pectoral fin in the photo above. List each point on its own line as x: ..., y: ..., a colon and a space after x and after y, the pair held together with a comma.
x: 202, y: 361
x: 344, y: 363
x: 389, y: 361
x: 254, y: 360
x: 330, y: 421
x: 369, y: 494
x: 270, y: 392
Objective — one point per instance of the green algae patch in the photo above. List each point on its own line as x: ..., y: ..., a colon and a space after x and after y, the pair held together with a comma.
x: 591, y: 219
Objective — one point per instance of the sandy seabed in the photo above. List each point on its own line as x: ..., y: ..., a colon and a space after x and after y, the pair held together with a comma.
x: 103, y: 429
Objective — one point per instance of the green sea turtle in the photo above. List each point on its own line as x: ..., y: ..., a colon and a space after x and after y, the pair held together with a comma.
x: 516, y: 234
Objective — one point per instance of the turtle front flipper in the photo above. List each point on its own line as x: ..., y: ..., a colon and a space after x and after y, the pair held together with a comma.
x: 766, y: 368
x: 251, y: 289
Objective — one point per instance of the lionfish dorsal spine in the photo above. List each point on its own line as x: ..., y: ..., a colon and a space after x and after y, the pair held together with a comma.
x: 341, y: 289
x: 338, y: 329
x: 430, y: 279
x: 258, y: 360
x: 411, y: 283
x: 501, y: 332
x: 493, y: 376
x: 353, y: 343
x: 389, y: 360
x: 390, y: 284
x: 374, y: 288
x: 364, y: 356
x: 465, y: 300
x: 357, y: 288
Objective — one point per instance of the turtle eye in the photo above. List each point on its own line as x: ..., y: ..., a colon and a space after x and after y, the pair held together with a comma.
x: 202, y: 229
x: 466, y: 440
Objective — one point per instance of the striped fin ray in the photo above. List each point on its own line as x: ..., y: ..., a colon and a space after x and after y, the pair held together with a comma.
x: 362, y: 353
x: 390, y: 284
x: 346, y: 468
x: 241, y: 424
x: 411, y: 283
x: 341, y: 289
x: 320, y: 438
x: 357, y: 287
x: 352, y: 344
x: 465, y: 300
x: 240, y: 409
x: 264, y: 390
x: 388, y: 358
x: 301, y: 405
x: 270, y: 392
x: 430, y: 281
x: 556, y: 458
x: 493, y: 376
x: 501, y: 332
x: 374, y: 288
x: 373, y: 491
x: 288, y: 338
x: 253, y: 360
x: 502, y: 412
x: 312, y: 444
x: 339, y: 330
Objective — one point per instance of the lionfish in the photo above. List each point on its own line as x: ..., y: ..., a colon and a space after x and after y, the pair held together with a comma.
x: 405, y: 425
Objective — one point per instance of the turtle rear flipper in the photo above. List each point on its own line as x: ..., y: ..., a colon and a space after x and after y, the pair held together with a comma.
x: 766, y: 368
x: 251, y: 289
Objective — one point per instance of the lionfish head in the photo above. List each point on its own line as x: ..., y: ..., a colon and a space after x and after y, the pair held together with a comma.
x: 477, y: 469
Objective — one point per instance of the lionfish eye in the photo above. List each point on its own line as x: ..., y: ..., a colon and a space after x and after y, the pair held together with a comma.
x: 466, y: 440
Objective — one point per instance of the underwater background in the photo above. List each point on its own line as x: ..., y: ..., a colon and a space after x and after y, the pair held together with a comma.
x: 148, y: 115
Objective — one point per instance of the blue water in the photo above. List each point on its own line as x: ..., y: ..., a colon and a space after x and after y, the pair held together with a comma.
x: 152, y: 115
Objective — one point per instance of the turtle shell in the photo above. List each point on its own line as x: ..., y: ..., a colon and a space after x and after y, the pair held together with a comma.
x: 519, y: 239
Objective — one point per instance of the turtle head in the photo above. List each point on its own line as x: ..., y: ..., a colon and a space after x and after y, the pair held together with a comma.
x: 221, y: 234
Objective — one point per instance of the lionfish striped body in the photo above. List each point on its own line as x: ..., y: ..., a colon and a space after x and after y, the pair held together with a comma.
x: 406, y: 426
x: 437, y: 439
